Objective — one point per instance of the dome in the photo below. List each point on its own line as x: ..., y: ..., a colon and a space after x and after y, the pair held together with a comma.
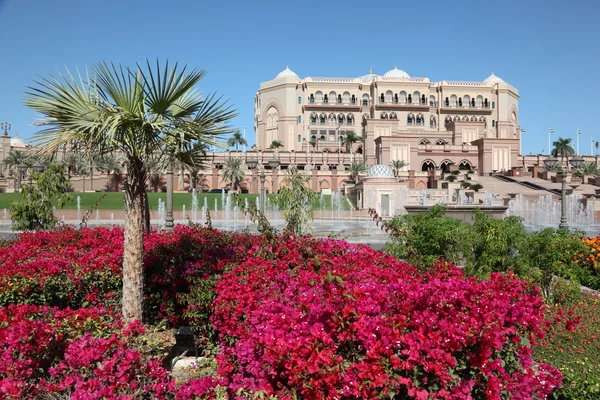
x: 381, y: 171
x: 369, y: 76
x: 492, y: 79
x: 396, y: 73
x: 16, y: 142
x: 287, y: 73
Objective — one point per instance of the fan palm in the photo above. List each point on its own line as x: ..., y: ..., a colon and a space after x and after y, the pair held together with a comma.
x: 16, y: 158
x: 140, y: 112
x: 236, y: 140
x: 397, y: 165
x: 349, y: 139
x: 356, y: 167
x: 233, y: 172
x: 563, y: 148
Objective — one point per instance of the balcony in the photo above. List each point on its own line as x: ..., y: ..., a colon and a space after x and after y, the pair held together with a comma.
x: 329, y: 105
x: 477, y: 109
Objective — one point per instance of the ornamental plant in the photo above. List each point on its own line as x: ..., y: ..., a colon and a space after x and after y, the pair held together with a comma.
x: 325, y: 319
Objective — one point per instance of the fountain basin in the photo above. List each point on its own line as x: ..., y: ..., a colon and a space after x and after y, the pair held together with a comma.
x: 461, y: 212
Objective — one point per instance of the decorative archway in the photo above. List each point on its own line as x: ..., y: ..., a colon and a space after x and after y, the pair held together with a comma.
x: 444, y: 165
x: 465, y: 164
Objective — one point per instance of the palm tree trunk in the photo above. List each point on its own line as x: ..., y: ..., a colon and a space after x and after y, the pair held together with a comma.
x: 133, y: 255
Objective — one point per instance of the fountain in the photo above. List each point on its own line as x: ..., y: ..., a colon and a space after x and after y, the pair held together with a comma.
x: 97, y: 216
x: 194, y: 206
x: 246, y: 219
x: 216, y: 208
x: 112, y: 219
x: 78, y: 208
x: 4, y: 217
x: 183, y: 213
x: 161, y: 212
x: 321, y: 205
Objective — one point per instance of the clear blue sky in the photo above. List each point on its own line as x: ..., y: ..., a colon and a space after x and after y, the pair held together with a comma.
x: 549, y: 50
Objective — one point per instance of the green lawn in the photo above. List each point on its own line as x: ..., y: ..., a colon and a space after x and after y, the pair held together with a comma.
x: 114, y: 200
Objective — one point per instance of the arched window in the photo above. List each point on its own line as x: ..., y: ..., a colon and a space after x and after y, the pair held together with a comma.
x: 493, y: 105
x: 396, y: 98
x: 423, y: 99
x: 313, y: 119
x: 427, y: 165
x: 416, y: 97
x: 272, y: 120
x: 299, y: 100
x: 447, y: 102
x: 389, y: 96
x: 339, y: 99
x: 479, y: 102
x: 473, y: 103
x: 409, y: 119
x: 465, y: 165
x: 365, y: 100
x: 466, y: 100
x: 403, y: 97
x: 350, y: 119
x: 453, y: 100
x: 319, y: 97
x: 322, y: 138
x: 446, y: 120
x: 459, y: 102
x: 325, y: 99
x: 313, y: 138
x: 409, y: 101
x: 341, y: 119
x: 382, y: 99
x: 299, y: 138
x: 311, y: 99
x: 440, y: 142
x: 432, y: 101
x: 444, y: 165
x: 420, y: 119
x: 322, y: 119
x: 465, y: 118
x: 299, y: 119
x: 432, y: 121
x: 424, y: 142
x: 493, y: 124
x: 393, y: 116
x: 333, y: 96
x: 485, y: 103
x: 331, y: 119
x: 384, y: 115
x: 347, y: 98
x: 353, y: 100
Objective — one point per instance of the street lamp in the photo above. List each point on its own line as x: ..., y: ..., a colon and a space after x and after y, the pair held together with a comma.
x: 550, y: 162
x: 550, y: 131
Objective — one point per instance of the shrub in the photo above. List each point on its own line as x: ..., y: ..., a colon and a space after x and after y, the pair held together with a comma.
x: 424, y: 238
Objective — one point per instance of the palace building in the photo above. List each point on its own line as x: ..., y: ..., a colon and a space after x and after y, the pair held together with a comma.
x: 426, y: 124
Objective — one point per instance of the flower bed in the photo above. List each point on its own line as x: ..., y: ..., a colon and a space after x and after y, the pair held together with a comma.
x: 295, y: 318
x: 325, y: 319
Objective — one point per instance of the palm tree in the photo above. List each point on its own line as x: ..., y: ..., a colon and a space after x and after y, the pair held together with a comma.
x: 17, y: 158
x: 233, y: 173
x: 314, y: 143
x: 356, y: 168
x: 597, y: 145
x: 563, y: 148
x: 397, y: 165
x: 71, y: 161
x: 586, y: 169
x: 110, y: 165
x: 275, y: 145
x: 236, y: 140
x: 140, y: 112
x: 349, y: 139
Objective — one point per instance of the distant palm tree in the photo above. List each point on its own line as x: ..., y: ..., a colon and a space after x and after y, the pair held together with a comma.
x: 156, y: 181
x: 71, y: 161
x: 586, y: 169
x: 356, y: 168
x: 314, y: 143
x: 236, y: 140
x: 110, y: 165
x: 597, y: 144
x: 563, y: 148
x: 275, y: 145
x: 397, y: 165
x: 17, y: 158
x: 233, y: 172
x: 349, y: 139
